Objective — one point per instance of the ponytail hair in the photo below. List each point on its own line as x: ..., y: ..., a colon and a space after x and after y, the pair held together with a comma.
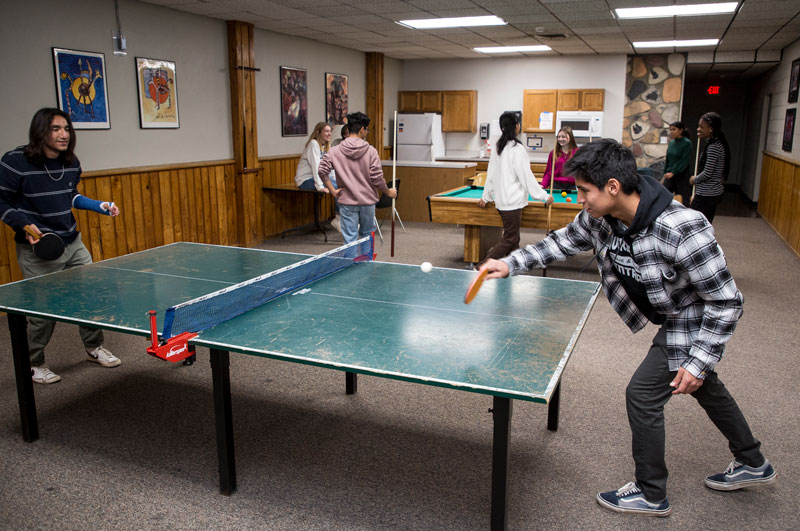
x: 714, y: 121
x: 508, y: 128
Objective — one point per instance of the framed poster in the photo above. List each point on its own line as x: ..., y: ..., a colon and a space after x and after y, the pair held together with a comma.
x: 158, y: 93
x: 294, y: 101
x: 81, y: 87
x: 794, y: 81
x: 335, y: 98
x: 788, y: 129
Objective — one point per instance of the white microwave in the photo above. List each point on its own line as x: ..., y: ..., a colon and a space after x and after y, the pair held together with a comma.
x: 582, y: 123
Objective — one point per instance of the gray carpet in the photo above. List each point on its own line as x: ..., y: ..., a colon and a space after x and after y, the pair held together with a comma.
x: 133, y: 447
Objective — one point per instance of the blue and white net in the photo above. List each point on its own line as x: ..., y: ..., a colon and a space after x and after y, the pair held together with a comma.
x: 214, y: 308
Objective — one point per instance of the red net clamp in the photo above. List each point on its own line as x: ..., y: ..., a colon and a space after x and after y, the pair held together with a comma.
x: 174, y: 349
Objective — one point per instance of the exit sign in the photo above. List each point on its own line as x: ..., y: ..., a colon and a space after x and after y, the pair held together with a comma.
x: 713, y: 89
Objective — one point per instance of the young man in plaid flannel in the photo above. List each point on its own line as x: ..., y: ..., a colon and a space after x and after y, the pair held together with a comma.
x: 658, y: 262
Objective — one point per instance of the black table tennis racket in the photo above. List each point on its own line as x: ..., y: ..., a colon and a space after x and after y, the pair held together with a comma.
x: 49, y: 247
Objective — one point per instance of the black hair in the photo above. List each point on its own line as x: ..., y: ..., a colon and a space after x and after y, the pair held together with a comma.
x: 601, y: 160
x: 679, y: 125
x: 355, y: 121
x: 345, y: 131
x: 508, y: 128
x: 714, y: 121
x: 40, y: 130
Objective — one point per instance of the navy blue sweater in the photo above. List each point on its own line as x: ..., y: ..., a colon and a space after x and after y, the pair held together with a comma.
x: 41, y: 195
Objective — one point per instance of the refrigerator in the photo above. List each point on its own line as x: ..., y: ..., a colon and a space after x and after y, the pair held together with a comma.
x: 419, y: 137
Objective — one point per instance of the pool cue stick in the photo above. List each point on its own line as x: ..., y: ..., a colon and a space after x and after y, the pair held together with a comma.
x: 394, y: 174
x: 696, y: 160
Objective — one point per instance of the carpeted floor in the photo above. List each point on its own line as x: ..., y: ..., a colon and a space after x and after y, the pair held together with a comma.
x: 133, y: 447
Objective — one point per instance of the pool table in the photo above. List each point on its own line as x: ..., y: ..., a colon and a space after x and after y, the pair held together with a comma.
x: 482, y: 226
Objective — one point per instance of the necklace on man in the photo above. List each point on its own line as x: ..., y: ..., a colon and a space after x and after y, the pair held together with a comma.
x: 50, y: 175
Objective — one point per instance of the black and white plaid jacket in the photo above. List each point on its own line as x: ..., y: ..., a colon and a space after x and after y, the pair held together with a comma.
x: 683, y: 271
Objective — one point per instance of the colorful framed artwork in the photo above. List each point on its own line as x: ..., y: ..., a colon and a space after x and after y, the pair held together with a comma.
x: 81, y: 87
x: 788, y: 129
x: 158, y: 93
x: 335, y: 98
x: 294, y: 101
x: 794, y: 81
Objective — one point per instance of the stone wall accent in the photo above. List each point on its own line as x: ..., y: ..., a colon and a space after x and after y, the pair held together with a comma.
x: 653, y: 99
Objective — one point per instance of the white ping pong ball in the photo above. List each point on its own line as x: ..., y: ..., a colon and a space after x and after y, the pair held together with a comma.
x: 426, y: 267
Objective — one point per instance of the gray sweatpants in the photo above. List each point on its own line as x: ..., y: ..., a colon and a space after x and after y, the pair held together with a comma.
x: 41, y: 330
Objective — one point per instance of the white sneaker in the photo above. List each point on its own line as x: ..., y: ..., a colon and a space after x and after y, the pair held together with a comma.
x: 335, y: 223
x: 43, y: 375
x: 102, y: 356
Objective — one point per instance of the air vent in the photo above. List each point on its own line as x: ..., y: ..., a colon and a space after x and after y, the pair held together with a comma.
x: 552, y: 36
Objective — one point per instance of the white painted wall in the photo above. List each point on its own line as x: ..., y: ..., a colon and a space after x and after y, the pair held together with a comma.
x: 197, y: 44
x: 500, y: 82
x: 775, y: 85
x: 273, y: 51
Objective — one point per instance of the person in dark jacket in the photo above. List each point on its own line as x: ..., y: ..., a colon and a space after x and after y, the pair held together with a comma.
x: 659, y: 262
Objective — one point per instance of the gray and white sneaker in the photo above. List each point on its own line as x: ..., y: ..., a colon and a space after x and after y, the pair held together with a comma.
x: 738, y: 476
x: 43, y: 375
x: 103, y: 356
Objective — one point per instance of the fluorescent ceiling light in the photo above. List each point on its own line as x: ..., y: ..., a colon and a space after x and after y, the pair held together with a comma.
x: 512, y: 49
x: 458, y: 22
x: 675, y: 44
x: 677, y: 11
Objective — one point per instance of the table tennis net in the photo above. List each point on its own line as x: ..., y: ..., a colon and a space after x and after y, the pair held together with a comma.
x: 217, y: 307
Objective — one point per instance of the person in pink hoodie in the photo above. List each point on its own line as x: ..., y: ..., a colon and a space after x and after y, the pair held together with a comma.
x: 359, y: 179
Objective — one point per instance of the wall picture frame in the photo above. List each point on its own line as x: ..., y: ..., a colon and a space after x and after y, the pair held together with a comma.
x: 336, y: 91
x: 157, y: 87
x: 294, y: 101
x: 788, y: 129
x: 81, y: 88
x: 794, y: 81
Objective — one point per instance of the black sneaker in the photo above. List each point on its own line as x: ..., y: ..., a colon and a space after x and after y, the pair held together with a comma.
x: 630, y: 499
x: 738, y: 476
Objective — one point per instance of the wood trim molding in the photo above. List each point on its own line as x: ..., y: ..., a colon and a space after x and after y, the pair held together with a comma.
x: 375, y: 98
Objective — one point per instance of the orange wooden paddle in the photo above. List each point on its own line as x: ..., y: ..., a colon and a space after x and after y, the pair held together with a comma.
x: 475, y: 286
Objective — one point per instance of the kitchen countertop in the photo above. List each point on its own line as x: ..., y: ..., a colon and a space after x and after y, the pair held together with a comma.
x: 536, y: 158
x: 429, y: 164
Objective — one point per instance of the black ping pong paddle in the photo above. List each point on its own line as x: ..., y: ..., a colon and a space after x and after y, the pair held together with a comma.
x: 49, y: 247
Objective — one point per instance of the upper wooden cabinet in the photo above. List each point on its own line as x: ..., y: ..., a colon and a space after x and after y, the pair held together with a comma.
x: 408, y: 101
x: 592, y: 99
x: 419, y: 101
x: 460, y: 111
x: 535, y: 102
x: 581, y: 99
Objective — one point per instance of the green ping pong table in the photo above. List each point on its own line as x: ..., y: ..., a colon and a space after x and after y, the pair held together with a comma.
x: 372, y: 318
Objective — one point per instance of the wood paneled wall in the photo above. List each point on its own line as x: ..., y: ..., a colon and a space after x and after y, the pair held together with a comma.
x: 779, y: 197
x: 179, y: 202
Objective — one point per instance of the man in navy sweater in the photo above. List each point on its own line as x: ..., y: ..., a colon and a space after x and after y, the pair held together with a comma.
x: 38, y: 190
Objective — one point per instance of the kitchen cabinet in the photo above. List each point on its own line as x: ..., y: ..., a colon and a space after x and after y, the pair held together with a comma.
x: 460, y: 111
x: 419, y: 101
x: 580, y: 99
x: 535, y: 102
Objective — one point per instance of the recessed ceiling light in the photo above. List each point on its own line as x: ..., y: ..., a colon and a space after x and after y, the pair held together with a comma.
x: 512, y: 49
x: 675, y: 44
x: 677, y: 11
x: 457, y: 22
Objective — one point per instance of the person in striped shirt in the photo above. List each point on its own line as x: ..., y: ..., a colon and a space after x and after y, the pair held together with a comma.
x: 659, y: 262
x: 713, y: 167
x: 38, y: 190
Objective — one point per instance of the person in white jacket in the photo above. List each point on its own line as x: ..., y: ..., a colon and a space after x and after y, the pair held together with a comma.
x: 509, y: 182
x: 306, y: 178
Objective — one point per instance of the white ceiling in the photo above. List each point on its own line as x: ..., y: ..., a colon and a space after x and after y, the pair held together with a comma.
x: 751, y: 38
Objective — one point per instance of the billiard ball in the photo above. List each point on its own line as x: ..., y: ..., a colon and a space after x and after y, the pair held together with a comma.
x: 569, y: 200
x: 563, y: 194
